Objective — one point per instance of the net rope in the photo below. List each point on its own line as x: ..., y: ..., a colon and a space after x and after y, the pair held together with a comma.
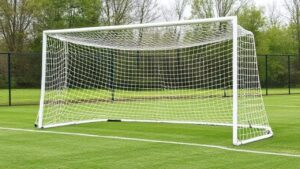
x: 169, y: 73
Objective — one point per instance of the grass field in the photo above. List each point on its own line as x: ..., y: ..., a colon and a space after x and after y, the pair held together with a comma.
x: 30, y: 149
x: 31, y: 96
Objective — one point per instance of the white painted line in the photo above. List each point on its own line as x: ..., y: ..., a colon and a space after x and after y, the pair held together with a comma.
x: 282, y: 106
x: 153, y: 141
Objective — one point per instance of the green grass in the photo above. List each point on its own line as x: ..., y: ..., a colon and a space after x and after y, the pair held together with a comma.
x: 20, y: 96
x: 41, y: 150
x: 281, y: 91
x: 31, y: 96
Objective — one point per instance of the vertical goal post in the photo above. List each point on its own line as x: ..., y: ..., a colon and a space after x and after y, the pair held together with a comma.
x: 235, y: 81
x: 243, y: 84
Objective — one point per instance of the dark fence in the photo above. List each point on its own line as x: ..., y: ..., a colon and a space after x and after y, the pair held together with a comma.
x: 20, y: 76
x: 279, y: 74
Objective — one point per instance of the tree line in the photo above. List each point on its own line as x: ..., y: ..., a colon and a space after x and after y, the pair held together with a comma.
x: 22, y: 21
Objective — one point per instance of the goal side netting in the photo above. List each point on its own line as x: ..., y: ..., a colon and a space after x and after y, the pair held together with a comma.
x: 197, y: 72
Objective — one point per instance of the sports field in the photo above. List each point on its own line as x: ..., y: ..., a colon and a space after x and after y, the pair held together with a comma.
x: 31, y: 96
x: 144, y: 145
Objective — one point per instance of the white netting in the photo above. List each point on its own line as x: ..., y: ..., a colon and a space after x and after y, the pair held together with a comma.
x: 177, y: 74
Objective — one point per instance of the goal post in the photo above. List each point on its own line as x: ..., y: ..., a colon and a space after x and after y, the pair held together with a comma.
x: 39, y: 123
x: 234, y: 81
x: 187, y: 72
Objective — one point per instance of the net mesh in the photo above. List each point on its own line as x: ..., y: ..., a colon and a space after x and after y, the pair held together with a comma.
x: 179, y: 73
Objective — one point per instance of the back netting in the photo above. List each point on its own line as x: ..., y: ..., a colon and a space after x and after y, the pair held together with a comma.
x: 181, y: 73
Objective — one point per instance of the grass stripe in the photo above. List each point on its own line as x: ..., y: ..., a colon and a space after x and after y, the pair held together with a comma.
x: 153, y: 141
x: 283, y: 106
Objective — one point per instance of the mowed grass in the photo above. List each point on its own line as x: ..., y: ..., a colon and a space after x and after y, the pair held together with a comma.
x: 20, y: 96
x: 32, y: 96
x: 43, y: 150
x: 281, y: 90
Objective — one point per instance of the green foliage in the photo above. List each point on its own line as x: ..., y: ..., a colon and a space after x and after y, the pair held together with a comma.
x: 67, y: 13
x: 117, y: 12
x: 252, y: 19
x: 58, y: 14
x: 270, y: 39
x: 277, y: 40
x: 3, y: 46
x: 15, y: 22
x: 216, y: 8
x: 278, y: 67
x: 273, y: 39
x: 202, y: 9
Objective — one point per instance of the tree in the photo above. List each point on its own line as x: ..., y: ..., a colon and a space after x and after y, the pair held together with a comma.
x: 229, y: 7
x: 116, y: 12
x: 82, y: 13
x: 176, y: 12
x: 274, y: 15
x: 15, y: 21
x: 202, y: 9
x: 252, y: 19
x: 216, y: 8
x: 58, y: 14
x: 277, y: 40
x: 146, y: 11
x: 180, y: 7
x: 293, y: 7
x: 66, y: 13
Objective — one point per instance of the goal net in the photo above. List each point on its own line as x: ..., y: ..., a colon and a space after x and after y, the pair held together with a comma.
x: 197, y: 72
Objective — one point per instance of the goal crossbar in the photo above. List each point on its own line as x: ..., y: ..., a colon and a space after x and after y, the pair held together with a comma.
x: 145, y: 25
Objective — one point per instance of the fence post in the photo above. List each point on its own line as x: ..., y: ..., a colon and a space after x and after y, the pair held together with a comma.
x: 289, y: 73
x: 266, y: 78
x: 9, y: 77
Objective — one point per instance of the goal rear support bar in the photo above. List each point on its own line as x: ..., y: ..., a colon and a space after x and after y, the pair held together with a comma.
x: 270, y: 134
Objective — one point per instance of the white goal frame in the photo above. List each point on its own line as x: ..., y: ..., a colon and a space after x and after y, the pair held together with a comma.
x: 235, y: 125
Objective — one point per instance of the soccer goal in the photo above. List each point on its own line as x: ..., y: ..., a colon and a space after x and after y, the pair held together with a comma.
x: 196, y: 72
